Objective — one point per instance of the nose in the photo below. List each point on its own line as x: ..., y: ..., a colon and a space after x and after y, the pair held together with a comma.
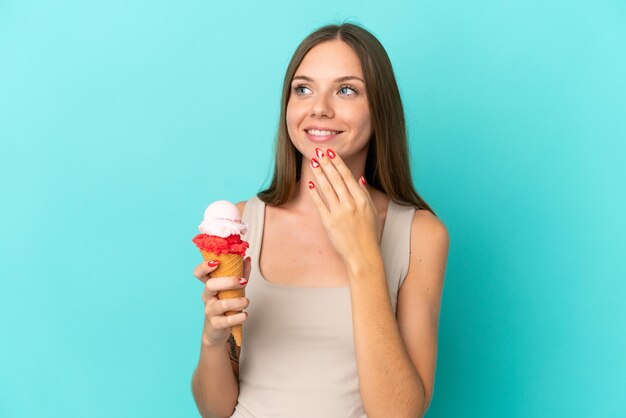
x: 322, y: 107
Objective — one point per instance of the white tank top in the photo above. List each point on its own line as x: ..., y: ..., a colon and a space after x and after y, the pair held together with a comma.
x: 297, y: 358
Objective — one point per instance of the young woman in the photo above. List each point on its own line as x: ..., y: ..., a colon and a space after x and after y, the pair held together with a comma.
x: 347, y: 261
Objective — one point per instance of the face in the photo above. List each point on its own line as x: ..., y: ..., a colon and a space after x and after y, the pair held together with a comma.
x: 328, y: 105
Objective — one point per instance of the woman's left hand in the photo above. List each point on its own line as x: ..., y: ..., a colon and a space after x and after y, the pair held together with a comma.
x: 349, y: 215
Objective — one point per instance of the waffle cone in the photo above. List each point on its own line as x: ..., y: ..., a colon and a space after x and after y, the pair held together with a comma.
x: 230, y: 265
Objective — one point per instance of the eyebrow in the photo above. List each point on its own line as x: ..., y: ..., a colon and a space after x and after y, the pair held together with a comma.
x: 339, y: 80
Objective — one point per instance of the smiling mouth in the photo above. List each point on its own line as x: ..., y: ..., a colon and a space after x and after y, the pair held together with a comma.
x: 316, y: 132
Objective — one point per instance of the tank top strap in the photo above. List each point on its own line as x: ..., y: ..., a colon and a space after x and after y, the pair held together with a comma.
x: 253, y: 216
x: 396, y: 247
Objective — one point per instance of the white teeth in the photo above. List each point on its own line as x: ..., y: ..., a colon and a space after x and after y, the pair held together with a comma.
x: 321, y: 133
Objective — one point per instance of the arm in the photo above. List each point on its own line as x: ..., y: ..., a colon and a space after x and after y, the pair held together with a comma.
x: 395, y: 364
x: 214, y: 384
x: 389, y: 383
x: 396, y: 360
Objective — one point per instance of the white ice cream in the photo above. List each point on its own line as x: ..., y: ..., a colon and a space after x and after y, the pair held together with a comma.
x: 222, y: 219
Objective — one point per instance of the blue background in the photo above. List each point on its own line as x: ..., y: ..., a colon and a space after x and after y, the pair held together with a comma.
x: 120, y: 121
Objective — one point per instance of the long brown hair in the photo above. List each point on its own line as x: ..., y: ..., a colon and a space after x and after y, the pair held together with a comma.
x: 387, y: 165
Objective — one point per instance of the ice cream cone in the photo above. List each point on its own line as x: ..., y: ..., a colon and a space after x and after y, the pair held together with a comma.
x: 220, y: 239
x: 230, y: 265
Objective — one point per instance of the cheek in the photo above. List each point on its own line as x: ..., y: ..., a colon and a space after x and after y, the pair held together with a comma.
x: 289, y: 119
x: 364, y: 120
x: 292, y: 120
x: 292, y: 117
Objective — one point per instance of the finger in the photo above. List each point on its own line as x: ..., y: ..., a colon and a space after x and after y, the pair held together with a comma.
x: 363, y: 186
x: 247, y: 267
x: 207, y: 295
x: 232, y: 305
x: 334, y: 176
x: 348, y: 178
x: 216, y: 307
x: 217, y: 284
x: 317, y: 199
x: 223, y: 322
x: 322, y: 183
x: 202, y: 270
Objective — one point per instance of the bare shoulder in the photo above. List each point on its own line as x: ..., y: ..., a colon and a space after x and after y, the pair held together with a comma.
x: 428, y: 229
x: 242, y: 205
x: 430, y: 242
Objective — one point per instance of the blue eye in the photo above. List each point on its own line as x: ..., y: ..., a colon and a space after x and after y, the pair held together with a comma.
x: 345, y: 90
x: 300, y: 89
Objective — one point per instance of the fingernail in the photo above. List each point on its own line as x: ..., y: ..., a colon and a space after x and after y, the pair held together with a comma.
x: 248, y: 259
x: 213, y: 263
x: 314, y: 163
x: 362, y: 180
x: 243, y: 281
x: 311, y: 185
x: 330, y: 153
x: 319, y: 153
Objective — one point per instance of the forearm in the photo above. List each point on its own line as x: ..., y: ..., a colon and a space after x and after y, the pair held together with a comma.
x: 214, y: 385
x: 389, y: 383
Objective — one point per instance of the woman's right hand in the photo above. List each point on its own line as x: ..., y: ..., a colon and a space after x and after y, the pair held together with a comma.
x: 216, y: 324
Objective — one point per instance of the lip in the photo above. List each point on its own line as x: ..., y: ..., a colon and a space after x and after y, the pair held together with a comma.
x: 321, y: 138
x: 321, y: 128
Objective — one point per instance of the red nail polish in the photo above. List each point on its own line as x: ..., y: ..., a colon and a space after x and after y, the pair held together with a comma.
x: 243, y: 281
x: 319, y: 153
x: 362, y: 180
x: 330, y: 153
x: 311, y: 185
x: 213, y: 263
x: 314, y: 163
